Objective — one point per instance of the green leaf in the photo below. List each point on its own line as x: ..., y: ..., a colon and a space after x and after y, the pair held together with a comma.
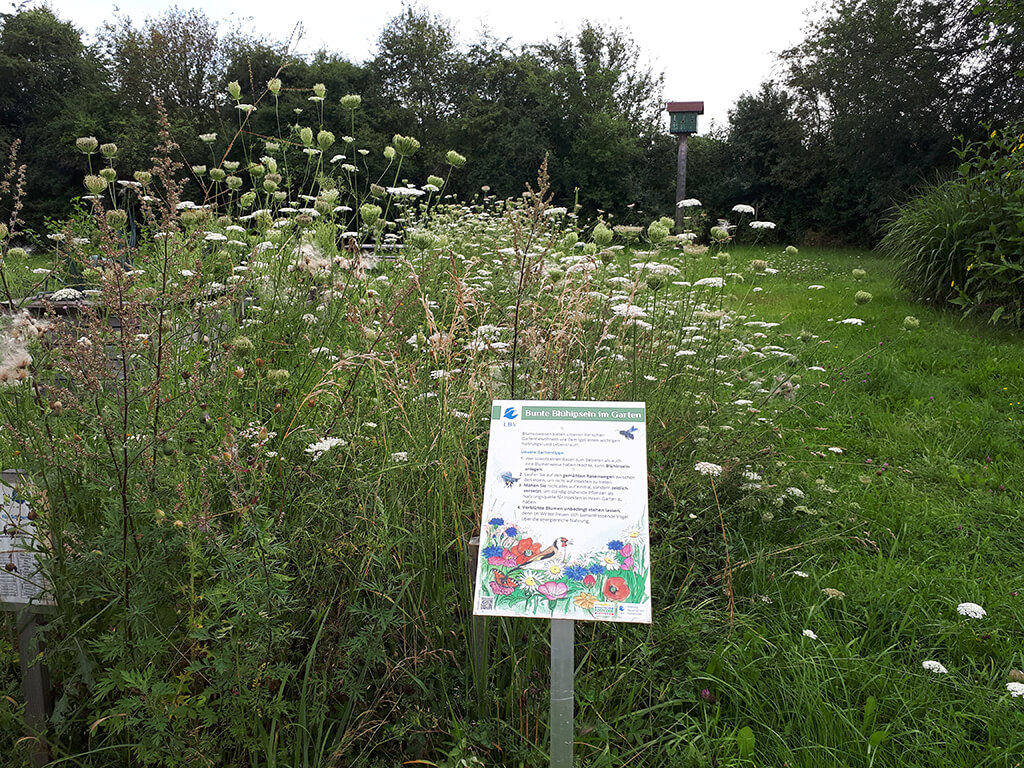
x: 870, y: 707
x: 745, y: 740
x: 997, y: 314
x: 877, y: 739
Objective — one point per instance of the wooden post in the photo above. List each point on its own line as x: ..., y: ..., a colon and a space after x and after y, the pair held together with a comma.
x: 35, y: 683
x: 478, y: 638
x: 681, y: 179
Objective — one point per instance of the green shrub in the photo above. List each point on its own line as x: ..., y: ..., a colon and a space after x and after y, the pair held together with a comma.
x: 961, y: 241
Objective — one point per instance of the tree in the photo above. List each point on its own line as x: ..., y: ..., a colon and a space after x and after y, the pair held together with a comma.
x: 887, y: 84
x: 52, y: 90
x: 176, y: 58
x: 774, y: 168
x: 603, y: 113
x: 418, y: 66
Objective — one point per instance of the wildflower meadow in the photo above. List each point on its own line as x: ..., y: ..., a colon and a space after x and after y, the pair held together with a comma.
x: 250, y: 397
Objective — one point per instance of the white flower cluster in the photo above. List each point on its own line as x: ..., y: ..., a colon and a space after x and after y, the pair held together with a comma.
x: 320, y: 447
x: 628, y: 310
x: 67, y: 294
x: 707, y: 468
x: 971, y: 610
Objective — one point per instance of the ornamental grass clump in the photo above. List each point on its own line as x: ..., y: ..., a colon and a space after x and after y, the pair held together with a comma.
x: 959, y: 241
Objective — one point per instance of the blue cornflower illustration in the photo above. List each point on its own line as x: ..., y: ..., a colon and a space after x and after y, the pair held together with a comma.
x: 492, y: 551
x: 596, y: 569
x: 615, y: 546
x: 575, y: 572
x: 496, y: 521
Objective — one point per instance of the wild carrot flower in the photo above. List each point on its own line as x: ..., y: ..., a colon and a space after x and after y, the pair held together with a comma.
x: 87, y: 144
x: 934, y: 666
x: 454, y: 159
x: 971, y: 610
x: 707, y: 468
x: 320, y: 447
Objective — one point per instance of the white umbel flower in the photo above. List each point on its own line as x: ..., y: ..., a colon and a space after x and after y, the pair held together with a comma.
x: 934, y: 666
x: 707, y: 468
x: 971, y: 610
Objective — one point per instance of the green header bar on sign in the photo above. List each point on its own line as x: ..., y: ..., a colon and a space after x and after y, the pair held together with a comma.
x: 495, y: 411
x: 582, y: 413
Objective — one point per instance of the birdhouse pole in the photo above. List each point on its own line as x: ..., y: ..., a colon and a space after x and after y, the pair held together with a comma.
x: 681, y: 178
x: 682, y: 122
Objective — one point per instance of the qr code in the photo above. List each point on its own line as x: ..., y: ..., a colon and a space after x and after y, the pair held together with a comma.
x: 486, y: 603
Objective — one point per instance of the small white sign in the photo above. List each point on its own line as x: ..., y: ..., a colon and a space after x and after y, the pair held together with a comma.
x: 20, y: 580
x: 564, y: 527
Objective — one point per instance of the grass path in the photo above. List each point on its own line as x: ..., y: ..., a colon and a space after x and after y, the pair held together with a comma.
x: 919, y: 512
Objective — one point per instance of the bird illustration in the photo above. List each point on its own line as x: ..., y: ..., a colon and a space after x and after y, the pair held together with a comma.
x: 628, y: 433
x: 528, y: 554
x: 509, y: 479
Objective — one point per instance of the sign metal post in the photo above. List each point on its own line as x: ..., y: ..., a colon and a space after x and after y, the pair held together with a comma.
x: 563, y: 669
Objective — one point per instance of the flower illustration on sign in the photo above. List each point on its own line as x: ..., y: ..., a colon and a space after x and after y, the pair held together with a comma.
x: 553, y: 590
x: 524, y: 574
x: 616, y: 588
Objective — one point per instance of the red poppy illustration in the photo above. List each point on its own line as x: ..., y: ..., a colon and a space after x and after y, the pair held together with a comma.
x: 616, y: 588
x: 524, y: 549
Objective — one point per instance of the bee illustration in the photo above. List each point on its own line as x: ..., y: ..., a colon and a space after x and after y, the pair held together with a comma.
x: 509, y: 479
x: 628, y: 433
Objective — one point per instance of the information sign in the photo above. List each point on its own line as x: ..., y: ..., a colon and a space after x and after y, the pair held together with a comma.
x: 20, y: 580
x: 564, y: 533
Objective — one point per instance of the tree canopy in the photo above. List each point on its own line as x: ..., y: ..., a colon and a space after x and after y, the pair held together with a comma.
x: 867, y: 106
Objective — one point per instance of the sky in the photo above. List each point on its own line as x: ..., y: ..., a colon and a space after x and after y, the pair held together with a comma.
x: 711, y: 51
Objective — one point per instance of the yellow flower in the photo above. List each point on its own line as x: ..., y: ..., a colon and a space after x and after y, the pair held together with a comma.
x: 585, y: 600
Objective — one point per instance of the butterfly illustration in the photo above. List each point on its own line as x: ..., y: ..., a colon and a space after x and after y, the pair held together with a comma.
x: 627, y: 433
x: 504, y: 581
x: 509, y: 479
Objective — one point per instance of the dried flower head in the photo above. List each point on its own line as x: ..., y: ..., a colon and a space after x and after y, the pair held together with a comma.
x: 96, y: 185
x: 87, y: 144
x: 406, y: 146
